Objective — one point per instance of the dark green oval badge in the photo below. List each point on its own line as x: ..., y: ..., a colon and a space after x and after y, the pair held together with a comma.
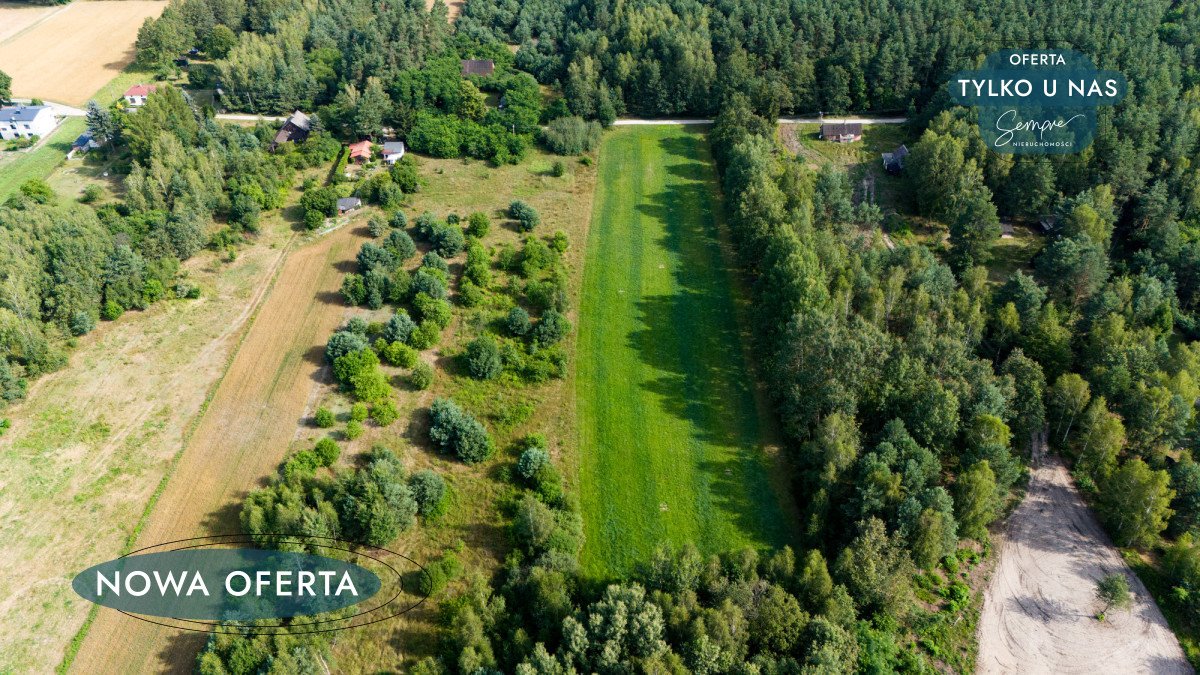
x: 227, y: 584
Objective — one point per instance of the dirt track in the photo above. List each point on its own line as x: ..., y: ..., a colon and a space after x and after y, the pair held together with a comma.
x: 1039, y: 609
x: 241, y: 439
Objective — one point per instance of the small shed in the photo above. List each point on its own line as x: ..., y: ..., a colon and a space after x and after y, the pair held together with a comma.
x: 842, y: 132
x: 82, y: 144
x: 1048, y: 223
x: 393, y: 151
x: 360, y: 152
x: 481, y: 67
x: 348, y: 204
x: 893, y: 162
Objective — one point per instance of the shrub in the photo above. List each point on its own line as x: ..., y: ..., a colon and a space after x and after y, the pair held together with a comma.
x: 376, y: 226
x: 552, y: 328
x: 327, y: 451
x: 385, y: 413
x: 354, y: 429
x: 399, y: 354
x: 112, y: 311
x: 518, y: 322
x: 558, y: 169
x: 483, y: 358
x: 429, y: 489
x: 82, y: 323
x: 426, y: 224
x: 313, y: 219
x: 559, y: 243
x: 422, y: 375
x: 324, y: 418
x: 399, y: 327
x: 399, y: 220
x: 354, y: 290
x: 456, y: 431
x: 432, y: 260
x: 429, y: 282
x: 435, y: 310
x: 470, y: 295
x: 478, y: 224
x: 571, y: 135
x: 531, y: 461
x: 405, y: 176
x: 535, y: 257
x: 425, y: 336
x: 448, y: 240
x: 526, y: 216
x: 5, y: 425
x: 342, y: 343
x: 478, y: 267
x: 91, y: 194
x: 358, y: 412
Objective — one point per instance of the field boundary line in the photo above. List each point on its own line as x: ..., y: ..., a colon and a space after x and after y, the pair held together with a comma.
x: 77, y: 641
x: 37, y: 23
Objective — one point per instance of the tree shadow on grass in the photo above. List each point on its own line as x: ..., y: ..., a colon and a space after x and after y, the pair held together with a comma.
x: 690, y: 340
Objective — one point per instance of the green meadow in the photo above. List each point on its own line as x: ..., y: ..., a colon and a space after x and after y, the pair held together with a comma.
x: 674, y: 444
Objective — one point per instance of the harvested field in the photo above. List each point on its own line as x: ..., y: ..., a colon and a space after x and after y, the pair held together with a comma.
x: 241, y: 439
x: 92, y: 42
x: 1039, y: 609
x: 92, y: 441
x: 18, y: 16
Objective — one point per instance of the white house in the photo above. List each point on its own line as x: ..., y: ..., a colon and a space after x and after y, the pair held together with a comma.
x: 23, y: 121
x: 136, y: 95
x: 393, y: 151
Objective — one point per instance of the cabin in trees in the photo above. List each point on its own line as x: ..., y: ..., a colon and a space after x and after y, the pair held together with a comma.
x: 393, y: 151
x: 842, y: 132
x: 893, y: 162
x: 481, y: 67
x: 26, y: 121
x: 294, y: 130
x: 348, y: 204
x: 136, y: 95
x: 83, y: 144
x: 360, y: 152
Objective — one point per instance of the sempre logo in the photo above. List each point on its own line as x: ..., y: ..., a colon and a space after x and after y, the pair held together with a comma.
x: 1038, y: 101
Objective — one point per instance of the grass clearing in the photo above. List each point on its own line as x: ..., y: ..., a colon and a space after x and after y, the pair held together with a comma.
x: 674, y: 444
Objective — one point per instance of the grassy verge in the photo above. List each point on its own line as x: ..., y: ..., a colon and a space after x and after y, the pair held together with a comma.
x: 671, y: 439
x: 1160, y: 587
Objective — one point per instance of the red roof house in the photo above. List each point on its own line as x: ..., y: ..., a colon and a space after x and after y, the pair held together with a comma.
x: 360, y: 152
x: 137, y: 94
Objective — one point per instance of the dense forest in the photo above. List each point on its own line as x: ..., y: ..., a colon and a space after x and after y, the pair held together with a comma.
x: 910, y: 388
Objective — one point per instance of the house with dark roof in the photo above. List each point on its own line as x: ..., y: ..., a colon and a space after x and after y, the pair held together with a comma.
x: 348, y: 204
x: 294, y: 130
x: 26, y: 121
x: 481, y: 67
x: 82, y: 144
x: 393, y: 151
x: 893, y: 162
x: 360, y: 152
x: 842, y: 132
x: 136, y: 95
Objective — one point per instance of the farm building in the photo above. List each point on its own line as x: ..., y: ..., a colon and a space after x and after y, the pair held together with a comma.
x: 348, y: 204
x: 482, y: 67
x: 393, y: 151
x: 294, y: 130
x: 136, y: 95
x: 83, y: 144
x: 25, y: 121
x: 842, y: 132
x: 360, y: 152
x: 893, y: 162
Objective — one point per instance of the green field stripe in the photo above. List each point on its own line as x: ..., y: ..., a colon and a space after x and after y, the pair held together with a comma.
x: 669, y: 437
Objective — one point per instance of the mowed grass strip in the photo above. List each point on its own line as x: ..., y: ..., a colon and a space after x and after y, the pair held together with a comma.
x: 671, y: 438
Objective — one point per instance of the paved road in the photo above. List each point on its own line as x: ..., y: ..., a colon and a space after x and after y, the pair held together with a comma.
x: 60, y: 109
